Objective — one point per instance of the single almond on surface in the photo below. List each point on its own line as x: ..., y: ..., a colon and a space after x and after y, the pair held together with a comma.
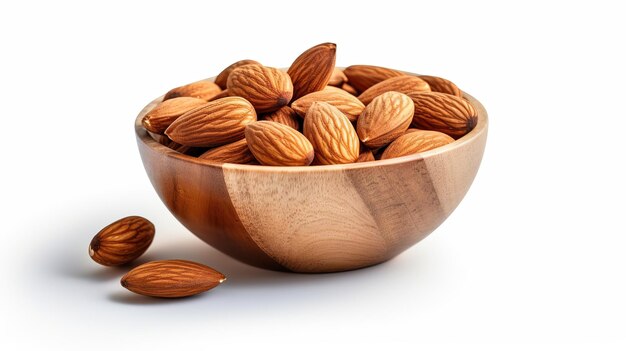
x: 171, y: 278
x: 267, y: 88
x: 333, y: 137
x: 402, y: 84
x: 312, y: 70
x: 442, y: 85
x: 342, y: 100
x: 222, y: 78
x: 366, y: 156
x: 236, y: 152
x: 285, y: 115
x: 444, y: 113
x: 362, y: 77
x: 202, y: 90
x: 337, y: 78
x: 387, y: 117
x: 122, y: 241
x: 275, y: 144
x: 166, y: 112
x: 218, y: 122
x: 414, y: 142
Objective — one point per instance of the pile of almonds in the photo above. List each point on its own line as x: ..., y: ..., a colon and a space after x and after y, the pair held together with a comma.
x: 313, y: 113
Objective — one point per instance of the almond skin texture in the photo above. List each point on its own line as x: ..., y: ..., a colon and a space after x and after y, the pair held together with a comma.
x: 275, y: 144
x: 334, y: 139
x: 267, y: 88
x: 442, y: 85
x: 403, y: 84
x: 218, y: 122
x: 362, y: 77
x: 387, y: 117
x: 414, y: 142
x: 204, y: 90
x: 122, y: 241
x: 284, y: 115
x: 224, y: 93
x: 366, y: 156
x: 342, y: 100
x: 337, y: 78
x: 312, y: 70
x: 171, y: 278
x: 444, y: 113
x: 166, y: 112
x: 222, y: 78
x: 236, y: 152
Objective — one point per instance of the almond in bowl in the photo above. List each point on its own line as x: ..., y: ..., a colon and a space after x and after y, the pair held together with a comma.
x: 295, y: 172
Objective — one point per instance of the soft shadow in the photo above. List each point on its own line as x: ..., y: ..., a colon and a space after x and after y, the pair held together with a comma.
x: 129, y: 298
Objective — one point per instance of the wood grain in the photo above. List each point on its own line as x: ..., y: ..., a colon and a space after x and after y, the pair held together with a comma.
x: 316, y: 218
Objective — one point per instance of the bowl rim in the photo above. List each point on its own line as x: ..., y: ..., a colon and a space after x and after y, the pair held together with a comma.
x: 481, y: 127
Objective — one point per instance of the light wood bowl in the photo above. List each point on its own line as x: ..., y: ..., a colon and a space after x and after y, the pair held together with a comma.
x: 318, y: 218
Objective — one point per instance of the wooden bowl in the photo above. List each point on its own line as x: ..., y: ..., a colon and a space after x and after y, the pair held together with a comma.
x: 318, y: 218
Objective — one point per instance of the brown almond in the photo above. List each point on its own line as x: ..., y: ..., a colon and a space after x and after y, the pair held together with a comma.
x: 285, y: 115
x: 312, y: 70
x: 338, y: 78
x: 202, y: 90
x: 415, y: 142
x: 332, y: 135
x: 343, y: 101
x: 122, y: 241
x: 402, y: 84
x: 166, y: 112
x: 218, y: 122
x: 171, y: 278
x: 348, y: 88
x: 236, y: 152
x: 387, y: 117
x: 275, y: 144
x: 366, y: 156
x: 362, y: 77
x: 442, y: 85
x: 267, y: 88
x: 444, y: 113
x: 222, y: 78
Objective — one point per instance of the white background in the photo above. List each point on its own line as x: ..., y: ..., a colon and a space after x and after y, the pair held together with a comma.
x: 533, y: 258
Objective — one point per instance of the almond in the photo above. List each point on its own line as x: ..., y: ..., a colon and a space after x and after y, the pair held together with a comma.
x: 366, y: 156
x: 122, y: 241
x: 334, y: 139
x: 224, y: 93
x: 362, y: 77
x: 402, y: 84
x: 171, y: 278
x: 442, y: 85
x: 236, y: 152
x: 267, y: 88
x: 444, y: 113
x: 284, y: 115
x: 348, y: 88
x: 414, y: 142
x: 222, y: 78
x: 275, y: 144
x: 218, y: 122
x: 202, y: 90
x: 166, y: 112
x: 387, y: 117
x: 338, y: 78
x: 312, y: 70
x: 343, y: 101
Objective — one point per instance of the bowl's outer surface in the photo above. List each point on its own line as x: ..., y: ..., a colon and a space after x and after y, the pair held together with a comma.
x: 315, y: 218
